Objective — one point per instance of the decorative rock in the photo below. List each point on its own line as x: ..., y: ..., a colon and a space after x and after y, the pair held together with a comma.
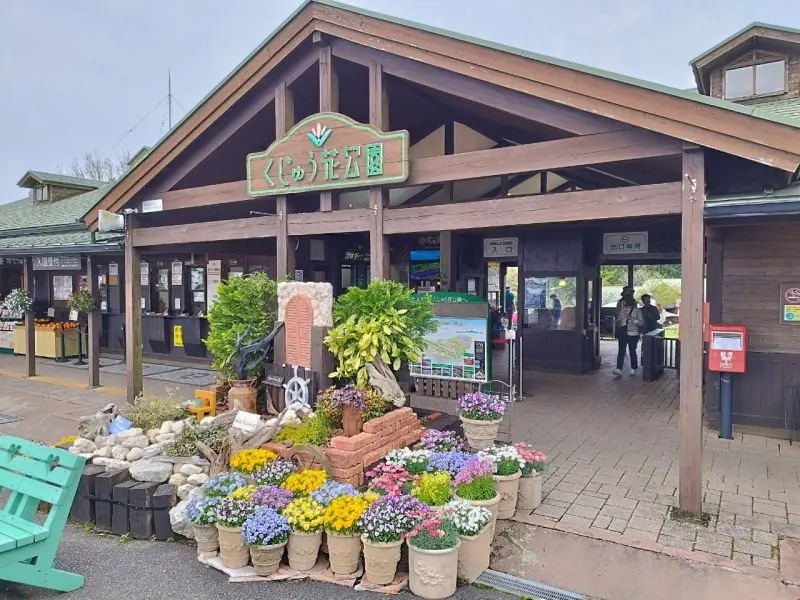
x: 198, y: 479
x: 183, y: 490
x: 139, y: 441
x: 166, y: 427
x: 189, y: 469
x: 134, y: 454
x: 104, y: 452
x: 165, y: 438
x: 207, y: 470
x: 74, y: 450
x: 176, y: 468
x: 177, y: 479
x: 86, y: 455
x: 153, y: 450
x: 196, y: 492
x: 152, y: 434
x: 128, y: 433
x: 111, y: 464
x: 150, y: 470
x: 119, y: 452
x: 180, y: 520
x: 83, y: 445
x: 101, y: 440
x: 271, y: 422
x: 177, y: 427
x: 206, y: 421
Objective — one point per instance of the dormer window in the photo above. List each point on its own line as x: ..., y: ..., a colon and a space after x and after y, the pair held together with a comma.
x: 41, y: 193
x: 754, y: 76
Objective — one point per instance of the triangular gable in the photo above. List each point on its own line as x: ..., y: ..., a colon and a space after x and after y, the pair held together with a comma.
x: 743, y: 131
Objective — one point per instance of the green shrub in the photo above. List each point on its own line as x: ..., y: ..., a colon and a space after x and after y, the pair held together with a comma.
x: 314, y: 430
x: 186, y: 443
x: 433, y: 489
x: 149, y: 412
x: 242, y: 302
x: 374, y: 405
x: 327, y: 409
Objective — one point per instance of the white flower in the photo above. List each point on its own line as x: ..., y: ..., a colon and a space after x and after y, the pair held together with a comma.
x: 499, y: 453
x: 403, y: 456
x: 468, y: 519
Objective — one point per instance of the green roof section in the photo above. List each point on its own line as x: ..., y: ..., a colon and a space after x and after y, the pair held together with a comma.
x: 28, y: 214
x: 754, y: 25
x: 31, y: 178
x: 788, y: 108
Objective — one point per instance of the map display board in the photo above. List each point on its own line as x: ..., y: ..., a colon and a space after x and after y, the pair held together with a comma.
x: 456, y: 351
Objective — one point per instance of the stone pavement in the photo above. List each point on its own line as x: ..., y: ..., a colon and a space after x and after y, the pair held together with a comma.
x: 613, y: 449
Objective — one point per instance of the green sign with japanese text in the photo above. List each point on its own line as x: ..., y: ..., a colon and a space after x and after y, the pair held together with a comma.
x: 328, y: 151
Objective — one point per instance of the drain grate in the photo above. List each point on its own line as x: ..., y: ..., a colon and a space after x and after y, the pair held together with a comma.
x: 6, y: 418
x: 524, y: 588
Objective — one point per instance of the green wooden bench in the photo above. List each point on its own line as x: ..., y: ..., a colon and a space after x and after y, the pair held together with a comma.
x: 35, y: 474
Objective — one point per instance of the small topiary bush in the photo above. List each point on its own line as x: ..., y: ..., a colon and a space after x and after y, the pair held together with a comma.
x: 149, y: 412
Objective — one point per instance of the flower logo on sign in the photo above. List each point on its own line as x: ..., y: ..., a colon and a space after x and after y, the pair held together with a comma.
x: 319, y: 135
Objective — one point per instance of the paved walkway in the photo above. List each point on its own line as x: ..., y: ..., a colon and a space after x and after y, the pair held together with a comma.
x: 613, y: 445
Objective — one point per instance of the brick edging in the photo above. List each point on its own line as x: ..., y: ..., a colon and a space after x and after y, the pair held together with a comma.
x: 655, y: 547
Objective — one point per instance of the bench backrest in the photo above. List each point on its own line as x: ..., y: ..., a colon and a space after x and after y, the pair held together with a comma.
x: 34, y: 473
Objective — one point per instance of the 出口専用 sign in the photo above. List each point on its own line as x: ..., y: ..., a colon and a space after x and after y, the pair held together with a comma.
x: 328, y: 151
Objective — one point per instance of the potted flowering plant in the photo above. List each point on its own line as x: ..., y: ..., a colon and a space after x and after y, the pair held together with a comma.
x: 266, y: 532
x: 248, y: 461
x: 306, y: 518
x: 472, y: 525
x: 274, y: 472
x: 223, y: 484
x: 481, y: 415
x: 433, y: 488
x: 351, y: 399
x: 441, y: 441
x: 413, y: 461
x: 304, y: 482
x: 231, y: 515
x: 451, y: 462
x: 19, y: 301
x: 330, y: 490
x: 433, y: 548
x: 344, y: 539
x: 272, y: 496
x: 475, y: 484
x: 202, y: 513
x: 389, y: 480
x: 508, y: 469
x: 530, y: 484
x: 384, y: 524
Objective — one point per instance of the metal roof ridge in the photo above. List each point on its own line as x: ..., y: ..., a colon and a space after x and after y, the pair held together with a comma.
x: 753, y: 25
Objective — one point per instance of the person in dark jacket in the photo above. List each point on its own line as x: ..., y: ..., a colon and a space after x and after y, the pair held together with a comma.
x: 650, y: 314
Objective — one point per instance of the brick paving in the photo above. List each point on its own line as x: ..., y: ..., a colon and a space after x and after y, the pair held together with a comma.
x: 613, y: 449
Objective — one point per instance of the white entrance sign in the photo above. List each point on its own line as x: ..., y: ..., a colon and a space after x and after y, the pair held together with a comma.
x: 627, y: 242
x: 245, y: 421
x: 500, y: 247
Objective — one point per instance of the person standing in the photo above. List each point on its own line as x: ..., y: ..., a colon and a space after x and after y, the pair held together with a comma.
x: 509, y: 306
x: 650, y: 313
x: 630, y: 322
x: 555, y: 309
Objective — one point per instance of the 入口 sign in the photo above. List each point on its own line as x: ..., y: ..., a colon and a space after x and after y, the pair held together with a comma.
x: 328, y: 151
x: 627, y: 242
x: 500, y: 247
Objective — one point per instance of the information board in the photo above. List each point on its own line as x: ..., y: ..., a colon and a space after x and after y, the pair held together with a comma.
x: 456, y: 351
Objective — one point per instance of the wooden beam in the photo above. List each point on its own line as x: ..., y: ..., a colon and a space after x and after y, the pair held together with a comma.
x: 94, y: 322
x: 351, y: 220
x: 284, y: 249
x: 30, y: 320
x: 221, y: 193
x: 133, y: 314
x: 328, y: 102
x: 212, y: 231
x: 691, y: 333
x: 613, y: 203
x: 379, y: 255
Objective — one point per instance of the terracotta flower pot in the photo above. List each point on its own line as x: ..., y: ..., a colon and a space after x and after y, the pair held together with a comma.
x: 490, y: 505
x: 432, y: 574
x: 304, y: 550
x: 267, y: 559
x: 233, y: 552
x: 508, y: 488
x: 352, y: 422
x: 473, y: 555
x: 344, y: 552
x: 242, y: 395
x: 530, y: 492
x: 380, y: 560
x: 207, y: 538
x: 480, y: 434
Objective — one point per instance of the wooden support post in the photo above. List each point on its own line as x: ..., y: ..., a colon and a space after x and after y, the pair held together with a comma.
x: 133, y: 313
x: 94, y: 324
x: 328, y: 102
x: 284, y: 119
x: 378, y: 196
x: 164, y: 499
x: 30, y: 317
x: 691, y: 332
x: 714, y: 253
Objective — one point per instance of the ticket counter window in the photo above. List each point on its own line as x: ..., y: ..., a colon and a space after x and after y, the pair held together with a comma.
x: 550, y: 303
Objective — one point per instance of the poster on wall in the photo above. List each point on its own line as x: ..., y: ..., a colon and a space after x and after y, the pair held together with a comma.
x: 456, y: 351
x: 213, y: 279
x: 177, y: 273
x: 790, y: 303
x: 62, y: 287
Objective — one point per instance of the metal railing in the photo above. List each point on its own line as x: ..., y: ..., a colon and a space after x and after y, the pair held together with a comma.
x: 659, y: 353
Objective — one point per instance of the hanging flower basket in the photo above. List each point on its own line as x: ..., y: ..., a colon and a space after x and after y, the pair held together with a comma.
x: 19, y: 301
x: 82, y: 302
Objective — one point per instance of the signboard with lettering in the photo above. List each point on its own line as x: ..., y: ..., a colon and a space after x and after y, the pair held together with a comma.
x: 60, y: 262
x: 790, y: 303
x: 500, y: 247
x: 627, y: 242
x: 10, y: 260
x: 328, y: 151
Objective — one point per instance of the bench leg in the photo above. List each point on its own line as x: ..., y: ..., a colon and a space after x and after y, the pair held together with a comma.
x: 51, y: 579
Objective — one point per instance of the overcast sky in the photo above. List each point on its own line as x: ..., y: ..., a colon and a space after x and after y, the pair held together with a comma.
x: 78, y: 75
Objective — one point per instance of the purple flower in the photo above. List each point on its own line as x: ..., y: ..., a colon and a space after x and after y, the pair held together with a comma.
x: 273, y: 497
x: 477, y: 467
x: 350, y: 397
x: 330, y: 490
x: 441, y: 441
x: 232, y: 512
x: 265, y: 527
x: 452, y: 462
x: 274, y: 472
x: 202, y: 511
x: 389, y: 518
x: 481, y: 406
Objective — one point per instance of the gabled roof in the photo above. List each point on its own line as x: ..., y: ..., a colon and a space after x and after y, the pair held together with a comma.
x: 744, y: 131
x: 34, y: 178
x: 26, y: 214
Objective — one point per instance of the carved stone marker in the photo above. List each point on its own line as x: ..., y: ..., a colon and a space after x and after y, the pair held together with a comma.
x: 299, y: 320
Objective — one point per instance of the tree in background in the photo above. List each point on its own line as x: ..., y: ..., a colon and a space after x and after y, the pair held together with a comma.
x: 93, y: 165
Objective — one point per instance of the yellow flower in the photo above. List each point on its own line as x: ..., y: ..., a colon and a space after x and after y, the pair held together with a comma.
x: 244, y: 493
x: 343, y: 513
x: 304, y: 514
x: 248, y: 461
x: 305, y: 482
x: 67, y: 440
x: 370, y: 496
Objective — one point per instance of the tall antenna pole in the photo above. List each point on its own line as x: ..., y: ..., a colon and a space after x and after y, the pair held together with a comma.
x: 169, y: 95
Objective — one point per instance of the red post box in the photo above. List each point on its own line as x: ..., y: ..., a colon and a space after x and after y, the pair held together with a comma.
x: 727, y: 348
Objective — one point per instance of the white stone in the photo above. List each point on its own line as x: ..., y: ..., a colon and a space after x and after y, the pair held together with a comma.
x: 153, y: 450
x: 177, y: 479
x: 207, y: 469
x: 207, y: 421
x: 104, y: 452
x: 165, y: 438
x: 132, y: 432
x: 198, y: 479
x: 139, y: 441
x: 197, y: 492
x: 189, y: 469
x: 119, y: 452
x: 177, y: 427
x: 183, y: 490
x: 176, y: 468
x: 290, y: 415
x: 180, y: 520
x: 83, y: 445
x: 293, y: 421
x: 74, y: 449
x: 152, y: 434
x: 110, y: 464
x: 150, y: 470
x: 272, y: 421
x: 166, y: 427
x: 134, y: 454
x: 86, y: 455
x: 101, y: 440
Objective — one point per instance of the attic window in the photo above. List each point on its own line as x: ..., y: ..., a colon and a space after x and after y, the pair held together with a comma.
x: 759, y: 78
x: 41, y: 193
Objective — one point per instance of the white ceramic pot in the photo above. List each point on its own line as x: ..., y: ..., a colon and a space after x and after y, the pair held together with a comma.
x: 508, y: 488
x: 380, y: 561
x: 432, y: 574
x: 480, y: 434
x: 304, y: 550
x: 207, y: 538
x: 267, y: 559
x: 530, y: 492
x: 344, y: 552
x: 233, y: 552
x: 473, y: 555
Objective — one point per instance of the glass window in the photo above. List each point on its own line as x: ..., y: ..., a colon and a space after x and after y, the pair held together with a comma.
x: 739, y: 82
x: 550, y: 303
x: 41, y: 192
x: 771, y: 77
x: 764, y: 78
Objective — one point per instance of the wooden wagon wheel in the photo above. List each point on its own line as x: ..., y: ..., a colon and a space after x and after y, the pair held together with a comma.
x: 317, y: 455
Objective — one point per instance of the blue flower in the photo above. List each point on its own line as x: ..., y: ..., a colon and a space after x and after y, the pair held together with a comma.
x: 452, y: 462
x: 265, y: 527
x: 223, y: 484
x: 331, y: 490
